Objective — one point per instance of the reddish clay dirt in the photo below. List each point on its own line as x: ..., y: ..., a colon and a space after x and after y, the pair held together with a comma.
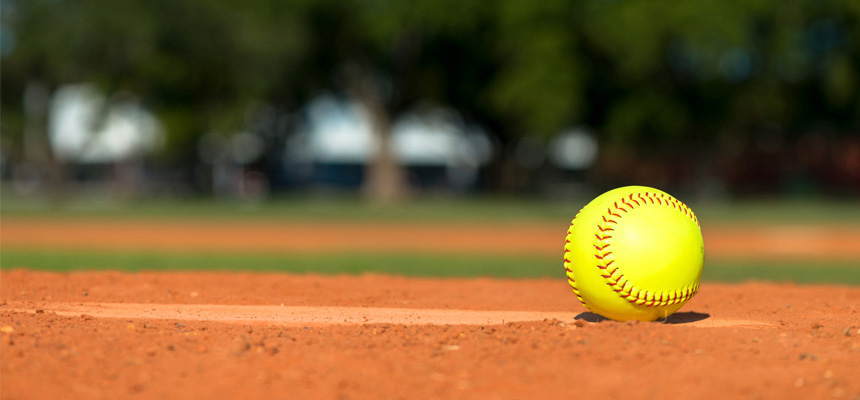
x: 832, y: 243
x: 243, y: 335
x: 246, y: 335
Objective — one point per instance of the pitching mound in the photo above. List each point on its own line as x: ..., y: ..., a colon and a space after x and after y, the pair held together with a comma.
x: 227, y: 335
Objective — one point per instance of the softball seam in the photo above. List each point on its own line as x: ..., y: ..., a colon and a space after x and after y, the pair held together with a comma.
x: 568, y: 271
x: 603, y: 253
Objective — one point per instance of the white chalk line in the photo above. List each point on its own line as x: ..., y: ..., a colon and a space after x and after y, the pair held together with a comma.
x: 322, y: 315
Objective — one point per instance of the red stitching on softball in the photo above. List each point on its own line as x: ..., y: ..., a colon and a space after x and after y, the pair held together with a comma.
x: 619, y: 284
x: 569, y: 272
x: 648, y: 196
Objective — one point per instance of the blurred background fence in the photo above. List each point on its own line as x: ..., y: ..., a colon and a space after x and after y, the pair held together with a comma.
x: 245, y: 99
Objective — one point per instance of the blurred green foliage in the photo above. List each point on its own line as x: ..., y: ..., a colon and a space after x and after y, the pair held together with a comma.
x: 641, y: 72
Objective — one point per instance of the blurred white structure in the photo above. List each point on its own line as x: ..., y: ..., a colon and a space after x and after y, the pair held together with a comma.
x: 334, y: 132
x: 439, y: 137
x: 84, y: 127
x: 339, y: 132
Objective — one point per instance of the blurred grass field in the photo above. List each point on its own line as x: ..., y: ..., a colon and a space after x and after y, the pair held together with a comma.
x: 477, y: 211
x: 426, y: 265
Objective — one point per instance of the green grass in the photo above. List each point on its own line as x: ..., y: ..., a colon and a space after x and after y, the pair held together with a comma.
x: 478, y: 209
x: 802, y: 273
x: 469, y: 209
x: 388, y: 263
x: 399, y: 264
x: 294, y: 208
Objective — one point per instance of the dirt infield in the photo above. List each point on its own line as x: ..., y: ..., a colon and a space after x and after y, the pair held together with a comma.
x: 834, y: 243
x: 243, y: 335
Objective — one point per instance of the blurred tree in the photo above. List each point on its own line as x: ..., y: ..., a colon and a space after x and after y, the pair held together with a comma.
x: 390, y: 56
x: 197, y: 64
x: 687, y: 78
x: 541, y: 78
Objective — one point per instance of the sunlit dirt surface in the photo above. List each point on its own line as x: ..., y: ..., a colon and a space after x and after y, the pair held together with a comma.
x: 248, y: 335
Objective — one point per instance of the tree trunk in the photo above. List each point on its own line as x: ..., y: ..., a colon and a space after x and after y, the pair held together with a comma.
x: 384, y: 179
x: 38, y: 155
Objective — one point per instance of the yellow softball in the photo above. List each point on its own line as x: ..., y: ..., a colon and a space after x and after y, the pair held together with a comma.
x: 634, y: 253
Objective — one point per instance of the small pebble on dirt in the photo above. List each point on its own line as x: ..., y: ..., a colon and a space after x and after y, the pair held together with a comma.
x: 7, y: 329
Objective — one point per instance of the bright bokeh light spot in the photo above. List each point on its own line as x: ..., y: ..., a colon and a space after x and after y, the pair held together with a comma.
x: 574, y: 149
